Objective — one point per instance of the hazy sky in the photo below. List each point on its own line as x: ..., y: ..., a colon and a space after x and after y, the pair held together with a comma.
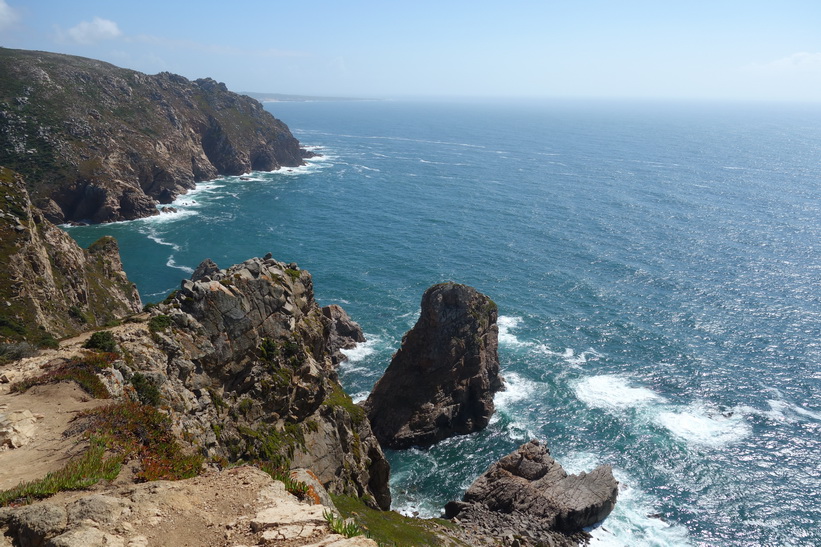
x: 509, y: 48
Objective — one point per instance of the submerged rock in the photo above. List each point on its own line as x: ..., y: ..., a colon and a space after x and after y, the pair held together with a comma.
x: 530, y: 493
x: 441, y: 381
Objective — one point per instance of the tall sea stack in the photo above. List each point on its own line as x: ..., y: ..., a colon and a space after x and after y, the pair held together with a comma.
x: 441, y: 381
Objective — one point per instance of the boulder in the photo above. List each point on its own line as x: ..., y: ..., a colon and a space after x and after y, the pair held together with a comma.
x: 442, y: 380
x: 530, y: 493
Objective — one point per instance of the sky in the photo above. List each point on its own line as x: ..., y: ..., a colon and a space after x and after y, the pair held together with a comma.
x: 660, y: 49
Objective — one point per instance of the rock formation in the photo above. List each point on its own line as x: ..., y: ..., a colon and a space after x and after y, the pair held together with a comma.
x: 529, y: 493
x: 343, y: 332
x: 100, y: 143
x: 245, y: 364
x: 441, y: 381
x: 49, y: 286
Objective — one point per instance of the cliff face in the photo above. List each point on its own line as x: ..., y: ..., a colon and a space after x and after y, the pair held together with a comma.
x: 442, y: 380
x: 244, y: 363
x: 101, y: 143
x: 49, y: 286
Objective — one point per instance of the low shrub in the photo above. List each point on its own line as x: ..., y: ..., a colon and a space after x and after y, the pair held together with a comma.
x: 102, y: 340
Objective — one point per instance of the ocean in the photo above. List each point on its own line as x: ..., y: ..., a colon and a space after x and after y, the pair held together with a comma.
x: 657, y: 268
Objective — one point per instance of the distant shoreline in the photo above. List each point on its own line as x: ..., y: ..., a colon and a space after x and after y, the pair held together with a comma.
x: 283, y: 98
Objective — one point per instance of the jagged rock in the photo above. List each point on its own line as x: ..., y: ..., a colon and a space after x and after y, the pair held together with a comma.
x: 101, y: 143
x: 248, y: 372
x: 441, y: 381
x: 206, y: 267
x: 530, y: 493
x: 49, y: 285
x: 343, y: 332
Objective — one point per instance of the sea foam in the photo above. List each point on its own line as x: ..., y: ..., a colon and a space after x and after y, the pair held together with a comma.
x: 612, y: 392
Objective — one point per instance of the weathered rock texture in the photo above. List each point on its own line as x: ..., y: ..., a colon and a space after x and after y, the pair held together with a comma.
x: 49, y: 286
x: 246, y: 368
x: 239, y: 506
x: 343, y: 332
x: 441, y: 381
x: 530, y: 494
x: 100, y: 143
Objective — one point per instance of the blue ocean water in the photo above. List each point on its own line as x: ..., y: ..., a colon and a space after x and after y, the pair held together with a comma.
x: 657, y: 269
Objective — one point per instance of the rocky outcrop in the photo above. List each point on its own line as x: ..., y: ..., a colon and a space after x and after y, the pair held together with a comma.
x: 239, y: 506
x: 100, y: 143
x: 530, y: 494
x: 343, y: 332
x: 441, y: 381
x: 49, y: 286
x: 241, y: 356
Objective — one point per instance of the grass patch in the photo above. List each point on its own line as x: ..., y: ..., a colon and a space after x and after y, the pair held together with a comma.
x: 142, y: 431
x: 159, y: 323
x: 283, y: 474
x: 122, y: 431
x: 78, y: 474
x: 293, y: 274
x: 339, y: 398
x: 343, y: 527
x: 389, y: 527
x: 82, y: 370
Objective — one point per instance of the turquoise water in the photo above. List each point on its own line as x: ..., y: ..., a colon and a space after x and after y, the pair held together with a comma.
x: 656, y: 266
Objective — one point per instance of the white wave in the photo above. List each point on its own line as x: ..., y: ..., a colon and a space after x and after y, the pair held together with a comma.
x: 159, y: 241
x: 362, y: 350
x: 696, y: 424
x: 612, y: 392
x: 570, y: 356
x: 792, y: 411
x: 506, y: 324
x: 359, y: 396
x: 517, y: 389
x: 164, y: 218
x: 171, y: 264
x: 635, y: 522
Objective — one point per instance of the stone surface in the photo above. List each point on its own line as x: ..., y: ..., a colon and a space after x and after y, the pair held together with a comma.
x: 529, y: 492
x: 343, y: 332
x: 240, y: 506
x: 441, y: 381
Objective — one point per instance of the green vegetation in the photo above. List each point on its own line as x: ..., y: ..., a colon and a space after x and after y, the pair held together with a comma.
x: 159, y: 322
x: 338, y: 398
x: 282, y: 474
x: 293, y: 274
x: 82, y: 472
x: 103, y: 341
x: 147, y: 392
x: 122, y: 431
x: 343, y: 527
x: 389, y: 527
x: 82, y: 370
x: 142, y: 431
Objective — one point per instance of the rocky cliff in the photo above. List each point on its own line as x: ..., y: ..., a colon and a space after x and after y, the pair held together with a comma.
x: 49, y: 286
x: 241, y: 355
x: 442, y: 380
x: 100, y: 143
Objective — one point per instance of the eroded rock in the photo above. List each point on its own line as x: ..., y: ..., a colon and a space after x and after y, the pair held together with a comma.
x: 530, y: 493
x: 441, y: 381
